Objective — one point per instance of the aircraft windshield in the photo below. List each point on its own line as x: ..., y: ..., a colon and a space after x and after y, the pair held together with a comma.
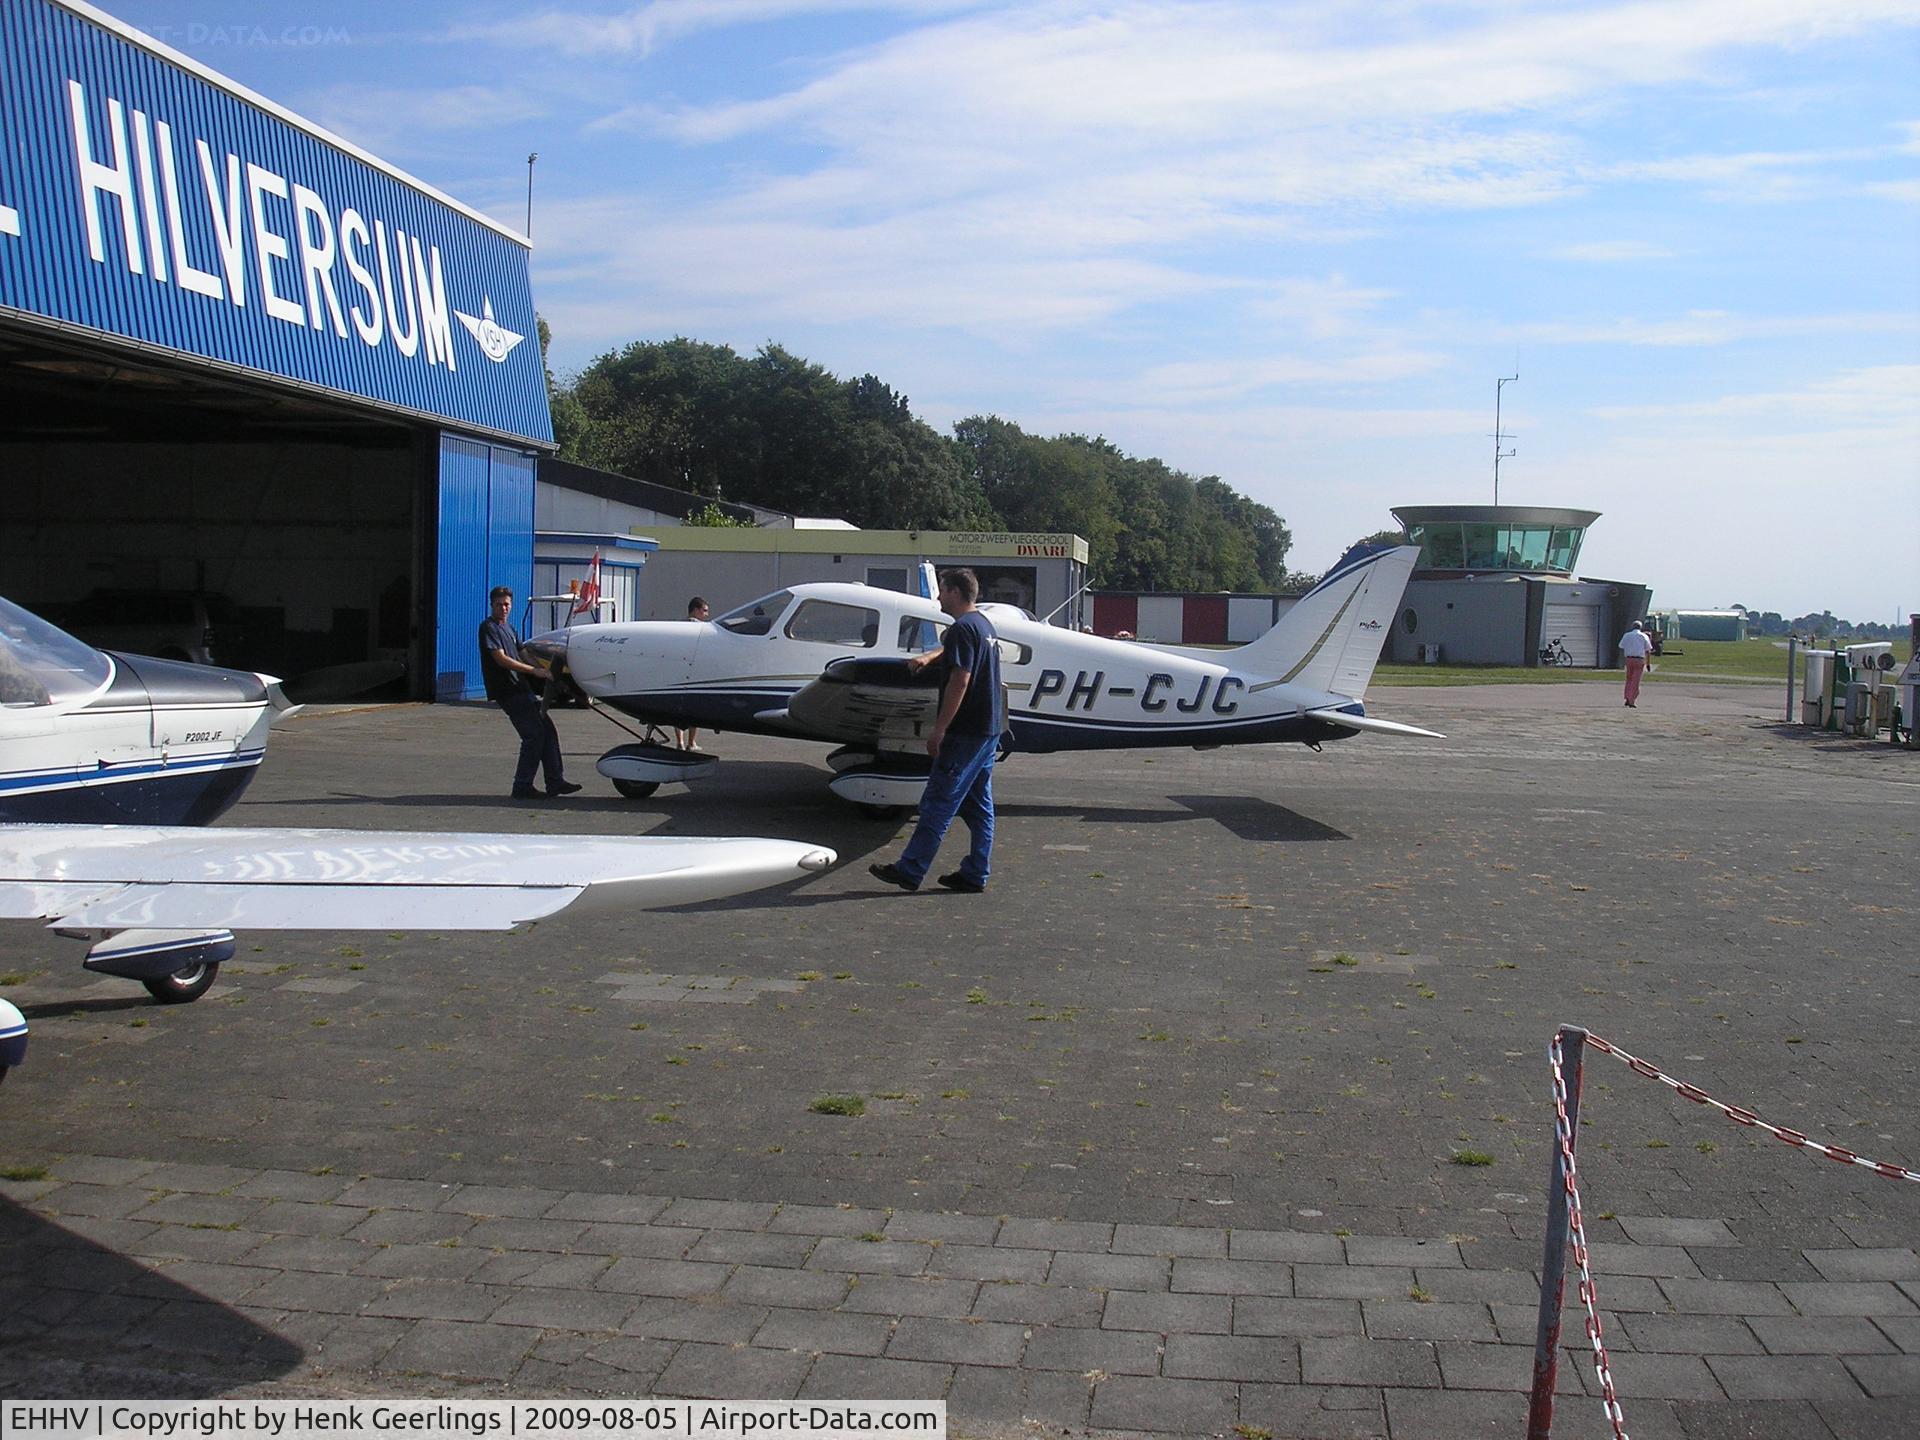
x: 756, y: 617
x: 42, y: 665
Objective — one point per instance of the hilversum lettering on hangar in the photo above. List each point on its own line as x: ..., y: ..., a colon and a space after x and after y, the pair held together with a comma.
x: 147, y: 201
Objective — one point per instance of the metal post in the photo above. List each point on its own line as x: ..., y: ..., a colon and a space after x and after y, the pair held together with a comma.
x: 530, y: 159
x: 1793, y: 644
x: 1553, y: 1263
x: 1498, y: 435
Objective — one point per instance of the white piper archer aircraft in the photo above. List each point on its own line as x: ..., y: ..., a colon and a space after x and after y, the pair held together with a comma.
x: 826, y: 662
x: 108, y: 760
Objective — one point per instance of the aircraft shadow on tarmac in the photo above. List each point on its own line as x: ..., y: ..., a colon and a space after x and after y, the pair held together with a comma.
x: 1246, y: 817
x: 76, y: 1308
x: 98, y: 1005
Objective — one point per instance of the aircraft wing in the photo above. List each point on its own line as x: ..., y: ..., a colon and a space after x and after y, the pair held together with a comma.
x: 875, y: 703
x: 180, y: 878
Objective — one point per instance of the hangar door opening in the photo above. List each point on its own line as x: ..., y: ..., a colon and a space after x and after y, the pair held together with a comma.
x: 151, y: 506
x: 1577, y: 625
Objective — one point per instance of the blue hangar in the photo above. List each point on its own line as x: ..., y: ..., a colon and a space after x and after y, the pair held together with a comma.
x: 261, y: 383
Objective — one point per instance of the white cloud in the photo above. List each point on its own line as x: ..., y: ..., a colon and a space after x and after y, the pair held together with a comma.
x: 1003, y: 163
x: 1880, y: 397
x: 387, y: 119
x: 1709, y: 327
x: 642, y: 29
x: 1611, y: 252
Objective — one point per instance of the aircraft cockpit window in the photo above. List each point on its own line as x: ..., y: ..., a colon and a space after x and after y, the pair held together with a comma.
x: 825, y: 622
x: 1012, y: 652
x: 43, y: 665
x: 757, y: 617
x: 917, y: 636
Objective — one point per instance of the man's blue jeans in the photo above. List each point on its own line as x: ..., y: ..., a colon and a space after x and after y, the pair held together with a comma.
x: 539, y: 741
x: 961, y: 784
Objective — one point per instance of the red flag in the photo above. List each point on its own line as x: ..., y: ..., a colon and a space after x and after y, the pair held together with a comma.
x: 589, y: 595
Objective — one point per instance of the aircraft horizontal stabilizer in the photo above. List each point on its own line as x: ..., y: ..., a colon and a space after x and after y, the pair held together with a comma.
x: 1371, y: 722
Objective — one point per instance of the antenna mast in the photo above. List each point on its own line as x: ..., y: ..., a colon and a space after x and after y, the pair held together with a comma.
x: 1499, y: 434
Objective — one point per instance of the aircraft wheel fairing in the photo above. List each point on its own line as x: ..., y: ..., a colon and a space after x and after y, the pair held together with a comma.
x: 13, y: 1037
x: 880, y: 792
x: 652, y: 766
x: 182, y: 986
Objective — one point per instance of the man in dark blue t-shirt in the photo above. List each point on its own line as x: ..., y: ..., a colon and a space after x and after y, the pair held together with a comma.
x: 506, y: 676
x: 964, y: 738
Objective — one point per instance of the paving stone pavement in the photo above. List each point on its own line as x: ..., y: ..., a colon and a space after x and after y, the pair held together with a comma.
x: 1160, y: 1138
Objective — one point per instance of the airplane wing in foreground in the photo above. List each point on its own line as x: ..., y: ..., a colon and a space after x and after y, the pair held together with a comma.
x: 179, y: 878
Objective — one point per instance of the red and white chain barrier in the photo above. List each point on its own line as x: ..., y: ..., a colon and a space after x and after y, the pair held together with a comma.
x: 1563, y: 1131
x: 1577, y: 1232
x: 1747, y: 1117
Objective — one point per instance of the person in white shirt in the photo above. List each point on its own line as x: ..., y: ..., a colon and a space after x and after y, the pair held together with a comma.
x: 1636, y: 645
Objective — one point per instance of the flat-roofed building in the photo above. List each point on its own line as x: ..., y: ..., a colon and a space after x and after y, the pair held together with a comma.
x: 1498, y: 584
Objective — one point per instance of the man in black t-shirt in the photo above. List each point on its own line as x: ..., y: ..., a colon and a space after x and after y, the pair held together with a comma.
x: 506, y: 676
x: 964, y: 738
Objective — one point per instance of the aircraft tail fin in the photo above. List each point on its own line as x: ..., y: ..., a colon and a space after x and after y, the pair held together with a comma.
x: 1332, y: 637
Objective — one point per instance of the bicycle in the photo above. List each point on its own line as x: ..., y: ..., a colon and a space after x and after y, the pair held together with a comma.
x: 1555, y: 652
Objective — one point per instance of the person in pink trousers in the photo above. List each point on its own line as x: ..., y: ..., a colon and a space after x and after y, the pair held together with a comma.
x: 1636, y: 645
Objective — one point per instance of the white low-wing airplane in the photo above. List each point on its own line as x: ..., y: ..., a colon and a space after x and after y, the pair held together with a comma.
x: 826, y: 662
x: 107, y: 761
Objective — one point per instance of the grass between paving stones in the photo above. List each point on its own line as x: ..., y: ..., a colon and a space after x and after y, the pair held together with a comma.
x: 838, y: 1105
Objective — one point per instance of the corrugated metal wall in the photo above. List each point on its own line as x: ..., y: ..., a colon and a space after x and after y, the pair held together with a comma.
x: 510, y: 521
x: 1205, y: 620
x: 485, y: 538
x: 462, y: 568
x: 103, y: 169
x: 1114, y: 613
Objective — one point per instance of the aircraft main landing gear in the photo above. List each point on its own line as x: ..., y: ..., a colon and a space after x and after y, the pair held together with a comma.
x: 881, y: 787
x: 182, y: 986
x: 176, y: 966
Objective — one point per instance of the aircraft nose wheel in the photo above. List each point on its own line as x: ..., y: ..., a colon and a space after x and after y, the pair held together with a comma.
x: 636, y: 789
x: 883, y: 812
x: 182, y: 986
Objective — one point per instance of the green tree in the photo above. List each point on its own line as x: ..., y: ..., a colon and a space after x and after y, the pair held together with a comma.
x: 711, y: 517
x: 782, y: 432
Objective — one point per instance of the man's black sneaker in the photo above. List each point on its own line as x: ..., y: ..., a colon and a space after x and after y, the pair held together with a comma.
x: 527, y: 792
x: 564, y: 787
x: 957, y: 881
x: 892, y: 875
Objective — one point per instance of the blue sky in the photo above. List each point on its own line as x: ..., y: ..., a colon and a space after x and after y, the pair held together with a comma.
x: 1291, y: 244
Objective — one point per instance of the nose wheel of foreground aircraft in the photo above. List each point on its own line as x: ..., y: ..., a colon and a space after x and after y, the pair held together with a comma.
x: 639, y: 769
